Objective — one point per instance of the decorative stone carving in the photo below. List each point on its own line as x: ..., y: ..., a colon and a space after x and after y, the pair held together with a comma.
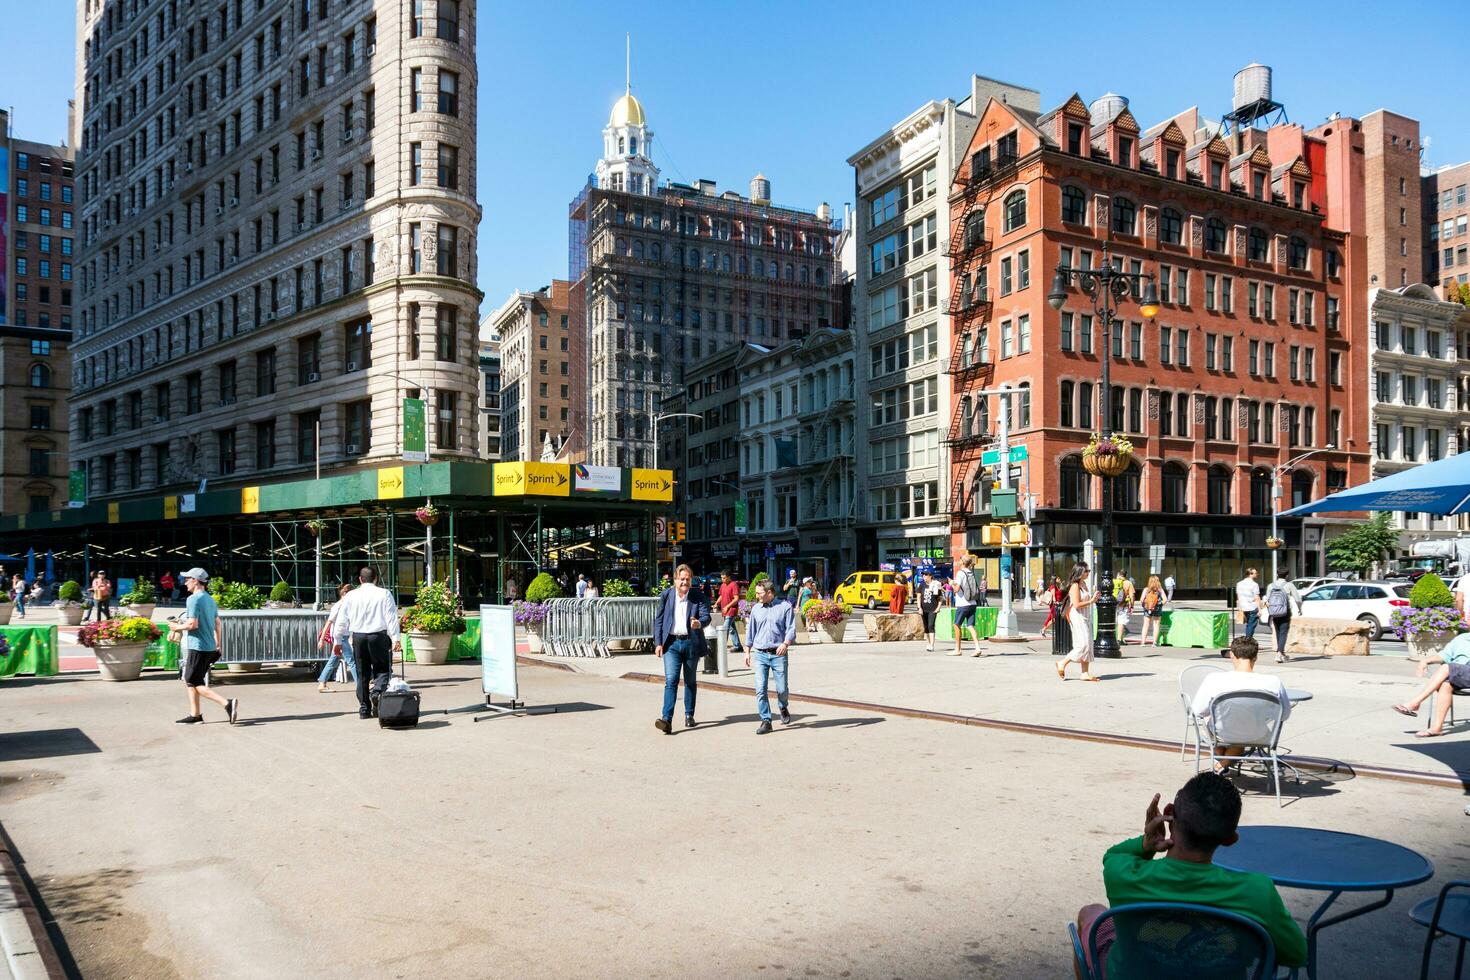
x: 1151, y: 222
x: 429, y: 248
x: 1199, y: 410
x: 1242, y: 414
x: 1197, y: 232
x: 1102, y: 210
x: 386, y: 263
x: 1153, y: 405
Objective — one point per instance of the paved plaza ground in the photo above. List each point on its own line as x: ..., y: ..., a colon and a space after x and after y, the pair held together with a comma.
x: 583, y: 843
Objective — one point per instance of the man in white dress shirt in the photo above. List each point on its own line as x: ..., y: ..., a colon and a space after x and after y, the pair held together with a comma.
x: 367, y: 625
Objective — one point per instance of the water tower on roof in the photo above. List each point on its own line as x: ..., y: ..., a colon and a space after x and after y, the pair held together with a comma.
x: 1252, y: 104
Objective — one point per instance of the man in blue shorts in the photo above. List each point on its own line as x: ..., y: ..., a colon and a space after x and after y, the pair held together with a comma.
x: 200, y: 627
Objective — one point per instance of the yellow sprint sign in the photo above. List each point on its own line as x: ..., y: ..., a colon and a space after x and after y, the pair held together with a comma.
x: 653, y: 485
x: 534, y: 479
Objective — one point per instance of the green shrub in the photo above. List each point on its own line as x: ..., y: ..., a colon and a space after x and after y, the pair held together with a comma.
x: 281, y: 592
x: 750, y: 589
x: 1430, y: 592
x: 70, y: 592
x: 617, y: 588
x: 806, y: 607
x: 141, y: 593
x: 136, y: 629
x: 543, y: 587
x: 437, y: 610
x: 235, y: 595
x: 663, y: 585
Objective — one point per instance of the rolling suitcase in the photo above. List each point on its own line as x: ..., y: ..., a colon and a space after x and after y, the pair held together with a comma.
x: 398, y: 709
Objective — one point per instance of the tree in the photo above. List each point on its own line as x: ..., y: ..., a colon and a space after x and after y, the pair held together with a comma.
x: 1459, y: 293
x: 1357, y: 548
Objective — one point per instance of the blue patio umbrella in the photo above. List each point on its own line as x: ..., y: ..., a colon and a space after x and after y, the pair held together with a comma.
x: 50, y: 566
x: 1440, y: 487
x: 31, y: 565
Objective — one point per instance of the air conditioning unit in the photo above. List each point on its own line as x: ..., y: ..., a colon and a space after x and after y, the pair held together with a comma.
x: 189, y: 167
x: 301, y: 226
x: 233, y: 259
x: 351, y: 365
x: 270, y: 316
x: 348, y: 203
x: 352, y: 449
x: 234, y: 202
x: 275, y: 180
x: 169, y: 185
x: 313, y: 376
x: 158, y: 419
x: 218, y: 211
x: 316, y: 154
x: 372, y: 49
x: 227, y: 400
x: 347, y: 136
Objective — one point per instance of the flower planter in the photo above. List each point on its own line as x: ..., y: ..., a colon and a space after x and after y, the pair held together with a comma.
x: 533, y: 639
x: 1111, y: 465
x: 120, y: 661
x: 833, y: 632
x: 1273, y: 543
x: 245, y: 668
x: 71, y: 615
x: 430, y: 648
x: 6, y: 609
x: 144, y: 609
x: 1423, y: 644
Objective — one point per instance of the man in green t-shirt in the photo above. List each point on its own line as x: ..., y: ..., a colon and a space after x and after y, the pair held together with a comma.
x: 1204, y: 815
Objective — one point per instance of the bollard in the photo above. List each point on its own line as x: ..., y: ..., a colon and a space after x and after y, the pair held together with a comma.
x: 722, y: 650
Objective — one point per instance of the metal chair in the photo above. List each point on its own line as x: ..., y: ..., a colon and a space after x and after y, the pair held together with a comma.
x: 1176, y: 941
x: 1448, y: 915
x: 1251, y: 720
x: 1190, y: 679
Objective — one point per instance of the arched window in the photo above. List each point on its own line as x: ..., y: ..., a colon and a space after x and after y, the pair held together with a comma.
x: 1126, y: 489
x: 744, y: 266
x: 1297, y: 253
x: 1171, y: 226
x: 1176, y: 488
x: 790, y: 272
x: 725, y: 263
x: 1260, y: 493
x: 656, y: 251
x: 711, y: 260
x: 805, y: 275
x: 975, y: 230
x: 1066, y: 404
x: 622, y: 246
x: 694, y: 257
x: 40, y: 376
x: 1125, y: 216
x: 1214, y: 235
x: 1301, y: 488
x: 1219, y: 490
x: 821, y: 276
x: 760, y: 267
x: 982, y: 417
x: 1256, y: 245
x: 775, y: 270
x: 637, y: 248
x: 1074, y: 206
x: 1015, y: 210
x: 967, y: 412
x: 1076, y: 485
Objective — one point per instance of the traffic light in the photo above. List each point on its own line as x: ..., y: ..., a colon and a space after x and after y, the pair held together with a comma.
x: 676, y: 529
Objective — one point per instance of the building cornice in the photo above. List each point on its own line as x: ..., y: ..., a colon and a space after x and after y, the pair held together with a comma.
x: 914, y: 125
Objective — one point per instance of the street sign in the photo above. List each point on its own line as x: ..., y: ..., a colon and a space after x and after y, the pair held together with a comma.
x: 415, y: 433
x: 990, y: 457
x: 661, y: 528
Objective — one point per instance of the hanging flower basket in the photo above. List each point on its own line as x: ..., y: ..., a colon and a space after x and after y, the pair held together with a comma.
x: 316, y: 527
x: 428, y: 515
x: 1107, y: 457
x: 1274, y: 543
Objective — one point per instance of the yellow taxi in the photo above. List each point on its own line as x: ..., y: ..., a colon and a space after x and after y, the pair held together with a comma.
x: 871, y: 589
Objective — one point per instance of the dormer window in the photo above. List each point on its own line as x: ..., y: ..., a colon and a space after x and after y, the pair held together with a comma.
x: 1075, y: 137
x: 633, y: 145
x: 1125, y: 151
x: 1171, y: 164
x: 1217, y: 174
x: 1006, y: 148
x: 1258, y: 186
x: 1298, y: 194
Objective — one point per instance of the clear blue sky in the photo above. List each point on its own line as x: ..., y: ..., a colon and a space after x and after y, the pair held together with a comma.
x: 793, y: 89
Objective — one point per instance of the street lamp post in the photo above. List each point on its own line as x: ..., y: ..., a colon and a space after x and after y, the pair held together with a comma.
x: 1106, y: 287
x: 1276, y: 494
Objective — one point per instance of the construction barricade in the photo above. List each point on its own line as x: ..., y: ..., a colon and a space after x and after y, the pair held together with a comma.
x: 598, y: 627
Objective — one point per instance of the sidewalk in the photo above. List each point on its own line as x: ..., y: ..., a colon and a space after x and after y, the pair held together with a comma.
x: 1348, y: 719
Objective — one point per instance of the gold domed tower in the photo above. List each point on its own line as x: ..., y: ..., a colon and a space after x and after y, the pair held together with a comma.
x: 627, y: 163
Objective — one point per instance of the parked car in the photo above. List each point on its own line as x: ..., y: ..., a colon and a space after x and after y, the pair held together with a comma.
x: 1367, y: 602
x: 1305, y: 585
x: 871, y: 589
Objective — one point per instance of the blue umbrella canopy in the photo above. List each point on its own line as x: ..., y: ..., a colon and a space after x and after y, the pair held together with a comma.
x: 31, y: 565
x: 50, y: 566
x: 1440, y: 487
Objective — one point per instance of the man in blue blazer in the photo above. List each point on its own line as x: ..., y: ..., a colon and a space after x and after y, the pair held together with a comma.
x: 678, y: 638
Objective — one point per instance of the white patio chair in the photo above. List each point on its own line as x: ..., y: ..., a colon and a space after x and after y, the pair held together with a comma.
x: 1190, y: 679
x: 1251, y: 720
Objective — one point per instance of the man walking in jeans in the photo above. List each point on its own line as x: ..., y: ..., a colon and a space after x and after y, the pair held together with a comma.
x: 678, y: 639
x: 769, y: 635
x: 1248, y: 600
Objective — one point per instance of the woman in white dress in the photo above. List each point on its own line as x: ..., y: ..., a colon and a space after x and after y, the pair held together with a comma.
x: 1079, y: 599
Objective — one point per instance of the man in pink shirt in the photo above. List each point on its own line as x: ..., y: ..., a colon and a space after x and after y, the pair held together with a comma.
x: 728, y: 603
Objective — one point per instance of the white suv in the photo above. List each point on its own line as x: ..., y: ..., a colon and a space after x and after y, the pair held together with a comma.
x: 1368, y: 602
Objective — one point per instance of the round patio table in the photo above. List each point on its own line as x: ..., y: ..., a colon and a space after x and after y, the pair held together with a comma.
x: 1296, y: 694
x: 1326, y: 861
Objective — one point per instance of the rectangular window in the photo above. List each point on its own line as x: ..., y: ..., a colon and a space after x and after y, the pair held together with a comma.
x: 448, y: 93
x: 1066, y: 327
x: 1209, y: 352
x: 357, y: 430
x: 1166, y: 345
x: 446, y: 333
x: 1182, y: 348
x: 445, y: 424
x: 448, y: 166
x: 448, y: 258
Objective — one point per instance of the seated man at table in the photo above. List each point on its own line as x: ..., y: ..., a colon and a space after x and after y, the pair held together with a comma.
x: 1242, y: 677
x: 1204, y: 816
x: 1453, y: 675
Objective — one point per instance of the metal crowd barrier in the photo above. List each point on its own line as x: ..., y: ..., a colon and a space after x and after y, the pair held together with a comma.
x: 271, y: 636
x: 590, y: 627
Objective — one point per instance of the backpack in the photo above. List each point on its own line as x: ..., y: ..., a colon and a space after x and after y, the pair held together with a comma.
x: 967, y: 588
x: 1278, y: 603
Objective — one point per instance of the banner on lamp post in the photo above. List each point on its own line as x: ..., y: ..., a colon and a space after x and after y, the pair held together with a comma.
x: 76, y: 487
x: 415, y: 432
x: 740, y: 525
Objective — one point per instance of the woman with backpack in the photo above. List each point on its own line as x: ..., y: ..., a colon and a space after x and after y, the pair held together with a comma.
x: 1152, y: 600
x: 966, y: 597
x: 1282, y: 602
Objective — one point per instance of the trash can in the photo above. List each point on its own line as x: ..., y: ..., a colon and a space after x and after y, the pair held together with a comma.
x: 1061, y: 636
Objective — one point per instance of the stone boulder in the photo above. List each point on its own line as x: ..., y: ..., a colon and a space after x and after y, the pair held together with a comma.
x: 1327, y: 638
x: 887, y: 626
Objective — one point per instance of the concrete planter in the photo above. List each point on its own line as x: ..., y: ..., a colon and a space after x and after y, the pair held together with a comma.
x: 6, y: 609
x: 144, y: 609
x: 533, y: 639
x: 246, y: 668
x: 120, y: 661
x: 832, y: 632
x: 1422, y: 646
x: 430, y: 648
x: 71, y: 615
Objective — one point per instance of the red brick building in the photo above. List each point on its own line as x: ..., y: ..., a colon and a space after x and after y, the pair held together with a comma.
x: 1255, y: 356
